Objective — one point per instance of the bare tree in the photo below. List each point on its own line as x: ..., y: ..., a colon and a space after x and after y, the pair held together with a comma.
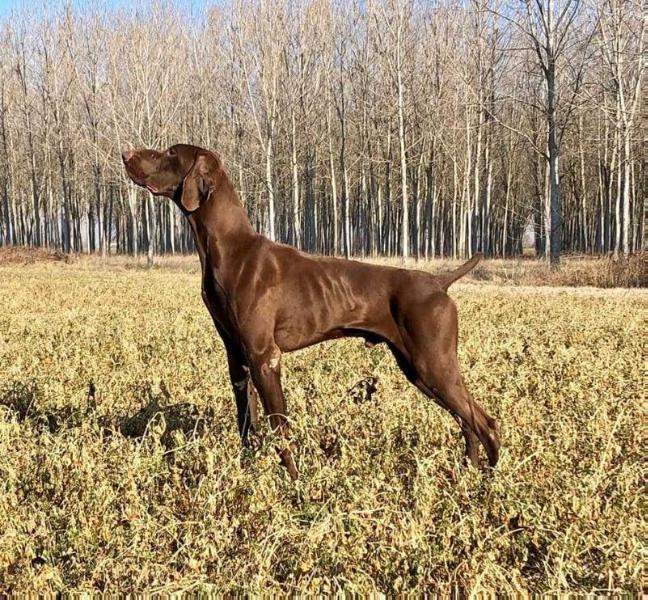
x: 622, y: 29
x: 389, y: 127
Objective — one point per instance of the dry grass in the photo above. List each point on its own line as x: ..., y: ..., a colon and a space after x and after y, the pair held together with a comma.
x: 120, y: 466
x: 575, y: 271
x: 20, y: 255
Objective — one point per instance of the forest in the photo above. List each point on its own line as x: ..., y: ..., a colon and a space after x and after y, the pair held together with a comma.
x: 360, y: 128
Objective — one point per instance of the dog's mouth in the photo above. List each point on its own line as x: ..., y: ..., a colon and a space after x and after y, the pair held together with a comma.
x: 137, y: 176
x: 133, y: 172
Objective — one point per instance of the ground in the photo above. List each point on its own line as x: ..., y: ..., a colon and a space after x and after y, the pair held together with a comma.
x: 120, y: 466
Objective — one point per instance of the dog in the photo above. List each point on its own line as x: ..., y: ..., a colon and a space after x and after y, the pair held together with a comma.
x: 267, y: 299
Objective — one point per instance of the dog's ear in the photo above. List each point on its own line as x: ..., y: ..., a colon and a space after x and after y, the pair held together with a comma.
x: 195, y: 186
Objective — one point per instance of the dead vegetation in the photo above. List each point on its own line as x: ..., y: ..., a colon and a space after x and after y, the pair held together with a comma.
x: 576, y: 270
x: 120, y: 467
x: 23, y: 255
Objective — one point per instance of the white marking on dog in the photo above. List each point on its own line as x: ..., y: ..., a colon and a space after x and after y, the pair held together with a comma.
x: 275, y: 358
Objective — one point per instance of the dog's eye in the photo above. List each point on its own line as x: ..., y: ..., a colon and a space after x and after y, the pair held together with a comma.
x: 171, y: 152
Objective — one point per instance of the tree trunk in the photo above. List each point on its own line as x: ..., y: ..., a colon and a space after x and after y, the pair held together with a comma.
x: 297, y: 241
x: 270, y: 187
x: 403, y: 160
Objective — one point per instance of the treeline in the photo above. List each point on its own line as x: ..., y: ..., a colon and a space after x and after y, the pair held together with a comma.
x: 391, y: 127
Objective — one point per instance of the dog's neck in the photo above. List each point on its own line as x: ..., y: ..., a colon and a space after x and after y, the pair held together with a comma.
x: 220, y: 225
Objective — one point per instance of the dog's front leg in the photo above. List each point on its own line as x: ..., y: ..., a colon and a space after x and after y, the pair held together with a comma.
x: 245, y: 395
x: 265, y: 368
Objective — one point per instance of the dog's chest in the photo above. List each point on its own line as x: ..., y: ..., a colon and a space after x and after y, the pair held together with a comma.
x: 219, y: 305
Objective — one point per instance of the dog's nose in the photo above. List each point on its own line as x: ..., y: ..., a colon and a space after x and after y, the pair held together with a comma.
x: 127, y: 155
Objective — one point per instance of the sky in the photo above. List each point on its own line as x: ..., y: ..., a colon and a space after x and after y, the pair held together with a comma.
x: 7, y: 6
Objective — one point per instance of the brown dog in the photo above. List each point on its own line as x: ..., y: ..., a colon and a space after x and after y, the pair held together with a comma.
x: 267, y: 299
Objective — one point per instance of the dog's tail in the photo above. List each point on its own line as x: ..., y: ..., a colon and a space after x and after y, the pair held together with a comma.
x: 445, y: 279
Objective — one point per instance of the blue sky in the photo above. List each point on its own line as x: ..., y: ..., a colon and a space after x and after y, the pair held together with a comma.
x: 7, y: 6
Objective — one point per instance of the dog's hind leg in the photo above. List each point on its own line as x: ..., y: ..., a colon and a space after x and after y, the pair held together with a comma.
x: 470, y: 438
x: 412, y: 375
x: 430, y: 338
x: 474, y: 422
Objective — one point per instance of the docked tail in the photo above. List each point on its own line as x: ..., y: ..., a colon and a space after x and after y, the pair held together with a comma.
x: 445, y: 279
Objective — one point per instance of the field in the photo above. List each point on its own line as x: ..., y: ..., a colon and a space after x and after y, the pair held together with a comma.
x: 120, y: 466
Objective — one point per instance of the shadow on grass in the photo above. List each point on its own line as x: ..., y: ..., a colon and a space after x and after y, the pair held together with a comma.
x: 22, y: 399
x: 165, y: 421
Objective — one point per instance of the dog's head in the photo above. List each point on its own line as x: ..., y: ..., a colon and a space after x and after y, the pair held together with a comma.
x: 182, y: 172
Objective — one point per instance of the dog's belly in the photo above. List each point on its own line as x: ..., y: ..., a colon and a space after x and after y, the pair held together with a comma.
x: 289, y: 339
x: 315, y: 309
